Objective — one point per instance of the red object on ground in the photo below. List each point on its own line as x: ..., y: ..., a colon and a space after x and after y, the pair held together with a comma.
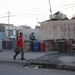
x: 42, y: 46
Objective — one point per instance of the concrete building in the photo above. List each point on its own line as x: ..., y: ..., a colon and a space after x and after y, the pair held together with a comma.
x: 37, y: 27
x: 58, y: 29
x: 2, y: 31
x: 22, y: 27
x: 8, y: 30
x: 27, y: 31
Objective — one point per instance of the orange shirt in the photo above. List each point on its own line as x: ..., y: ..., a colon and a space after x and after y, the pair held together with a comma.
x: 20, y: 42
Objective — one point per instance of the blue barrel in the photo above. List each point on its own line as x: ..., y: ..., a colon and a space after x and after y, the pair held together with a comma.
x: 36, y: 46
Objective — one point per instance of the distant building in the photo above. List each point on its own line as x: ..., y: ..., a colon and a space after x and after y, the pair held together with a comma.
x: 37, y: 27
x: 58, y: 29
x: 8, y: 30
x: 2, y: 27
x: 22, y: 27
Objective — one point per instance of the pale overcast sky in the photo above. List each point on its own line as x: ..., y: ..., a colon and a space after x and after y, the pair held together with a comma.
x: 28, y: 12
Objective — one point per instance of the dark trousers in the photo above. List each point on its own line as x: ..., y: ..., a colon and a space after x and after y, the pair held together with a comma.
x: 31, y: 45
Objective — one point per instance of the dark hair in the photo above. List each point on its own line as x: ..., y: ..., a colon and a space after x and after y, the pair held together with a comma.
x: 21, y: 33
x: 32, y: 33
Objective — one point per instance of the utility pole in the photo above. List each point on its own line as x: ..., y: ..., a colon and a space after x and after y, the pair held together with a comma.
x: 8, y: 16
x: 37, y: 20
x: 8, y: 23
x: 50, y: 8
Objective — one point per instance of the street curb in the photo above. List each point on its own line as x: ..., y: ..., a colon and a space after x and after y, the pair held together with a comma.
x: 41, y: 65
x: 55, y: 66
x: 15, y: 62
x: 66, y: 67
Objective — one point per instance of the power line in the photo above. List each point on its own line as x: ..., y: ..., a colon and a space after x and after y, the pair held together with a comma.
x: 33, y: 9
x: 67, y: 5
x: 64, y: 8
x: 31, y: 15
x: 24, y: 15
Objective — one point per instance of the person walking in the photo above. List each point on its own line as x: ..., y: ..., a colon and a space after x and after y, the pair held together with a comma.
x: 20, y: 47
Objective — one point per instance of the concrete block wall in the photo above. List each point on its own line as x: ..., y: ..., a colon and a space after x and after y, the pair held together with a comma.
x: 27, y: 32
x: 58, y: 29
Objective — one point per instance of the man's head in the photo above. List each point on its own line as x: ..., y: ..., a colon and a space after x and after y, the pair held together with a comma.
x: 21, y: 34
x: 32, y: 33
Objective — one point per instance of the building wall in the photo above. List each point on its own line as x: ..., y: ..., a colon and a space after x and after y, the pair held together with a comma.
x: 27, y: 32
x: 58, y: 29
x: 9, y: 30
